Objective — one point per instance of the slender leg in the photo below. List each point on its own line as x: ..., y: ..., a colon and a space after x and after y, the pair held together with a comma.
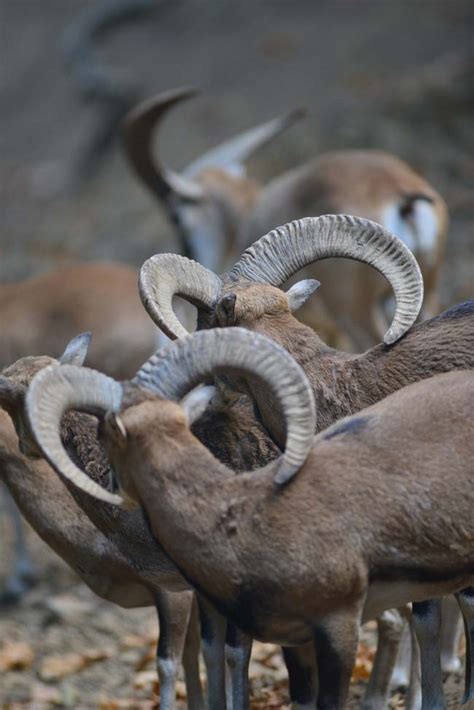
x: 427, y: 623
x: 466, y: 604
x: 238, y: 649
x: 173, y: 615
x: 451, y: 630
x: 335, y: 639
x: 390, y: 629
x: 303, y: 676
x: 413, y: 699
x: 401, y: 672
x: 192, y: 647
x: 23, y: 576
x: 213, y: 630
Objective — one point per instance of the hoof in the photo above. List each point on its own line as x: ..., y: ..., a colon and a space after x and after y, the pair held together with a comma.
x: 400, y: 679
x: 450, y: 664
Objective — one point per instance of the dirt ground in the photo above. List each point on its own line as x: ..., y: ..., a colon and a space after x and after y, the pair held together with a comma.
x: 65, y: 648
x: 396, y: 75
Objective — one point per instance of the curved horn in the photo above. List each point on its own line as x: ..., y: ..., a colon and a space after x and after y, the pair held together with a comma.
x: 137, y: 134
x: 174, y: 370
x: 231, y: 154
x: 166, y: 275
x: 53, y: 391
x: 278, y: 255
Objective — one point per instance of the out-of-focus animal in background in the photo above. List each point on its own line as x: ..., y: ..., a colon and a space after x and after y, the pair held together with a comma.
x: 210, y: 198
x: 38, y: 315
x: 220, y: 211
x: 117, y: 557
x: 41, y: 313
x: 364, y: 183
x: 258, y: 567
x: 113, y: 95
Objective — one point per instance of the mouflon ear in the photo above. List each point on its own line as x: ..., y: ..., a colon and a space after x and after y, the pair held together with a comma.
x: 76, y: 350
x: 11, y: 393
x: 300, y: 292
x: 225, y: 310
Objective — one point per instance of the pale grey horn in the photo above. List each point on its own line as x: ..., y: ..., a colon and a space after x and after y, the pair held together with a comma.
x: 175, y: 369
x: 231, y: 154
x: 278, y: 255
x: 53, y: 391
x: 137, y: 134
x: 166, y: 275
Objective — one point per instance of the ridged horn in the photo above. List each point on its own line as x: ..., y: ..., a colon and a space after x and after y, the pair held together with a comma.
x: 52, y: 392
x: 137, y: 134
x: 166, y: 275
x: 175, y: 369
x: 278, y: 255
x: 231, y: 154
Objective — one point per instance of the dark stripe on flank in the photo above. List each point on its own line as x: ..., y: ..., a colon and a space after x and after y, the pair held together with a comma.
x: 351, y: 426
x: 419, y: 575
x: 461, y: 310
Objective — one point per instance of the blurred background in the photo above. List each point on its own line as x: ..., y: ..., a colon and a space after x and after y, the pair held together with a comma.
x: 393, y: 74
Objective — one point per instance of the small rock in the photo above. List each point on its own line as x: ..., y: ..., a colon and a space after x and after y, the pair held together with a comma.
x: 68, y: 608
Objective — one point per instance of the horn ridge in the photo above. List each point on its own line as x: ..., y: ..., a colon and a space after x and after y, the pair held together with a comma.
x: 276, y: 256
x: 53, y: 391
x: 174, y: 370
x: 164, y: 276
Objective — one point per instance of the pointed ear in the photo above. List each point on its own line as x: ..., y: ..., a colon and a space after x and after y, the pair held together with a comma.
x: 196, y: 402
x: 225, y: 310
x: 300, y: 292
x: 76, y: 350
x: 11, y: 393
x: 116, y: 428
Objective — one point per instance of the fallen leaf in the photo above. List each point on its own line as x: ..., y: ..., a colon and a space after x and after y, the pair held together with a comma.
x: 68, y: 608
x: 146, y: 658
x: 108, y: 704
x: 181, y: 693
x: 269, y: 656
x: 45, y: 695
x: 56, y: 667
x: 16, y: 656
x: 126, y: 704
x: 364, y: 663
x: 136, y: 641
x: 143, y: 679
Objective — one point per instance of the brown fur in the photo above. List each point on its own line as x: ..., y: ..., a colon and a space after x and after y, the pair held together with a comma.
x: 311, y: 560
x: 230, y: 429
x: 342, y: 383
x: 40, y: 314
x: 362, y: 183
x: 79, y: 437
x: 115, y: 555
x: 231, y: 212
x: 52, y: 511
x: 237, y: 211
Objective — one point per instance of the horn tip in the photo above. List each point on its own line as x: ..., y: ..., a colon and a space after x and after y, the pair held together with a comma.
x: 121, y: 501
x: 285, y: 473
x: 393, y: 334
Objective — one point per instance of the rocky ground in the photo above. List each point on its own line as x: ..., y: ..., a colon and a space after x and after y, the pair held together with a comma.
x: 391, y: 75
